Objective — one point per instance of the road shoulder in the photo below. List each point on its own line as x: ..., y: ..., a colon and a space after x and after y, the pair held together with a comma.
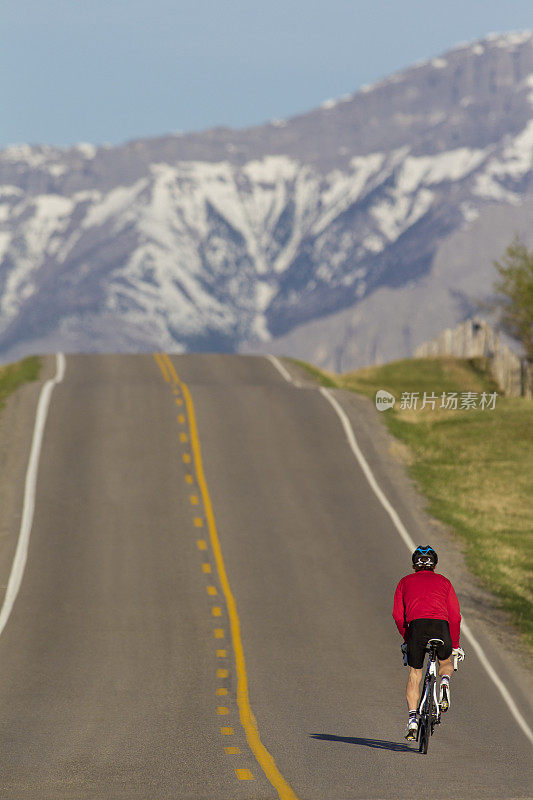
x: 17, y: 420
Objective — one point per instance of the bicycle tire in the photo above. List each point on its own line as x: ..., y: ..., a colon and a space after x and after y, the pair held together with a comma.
x: 425, y: 720
x: 423, y: 740
x: 431, y: 704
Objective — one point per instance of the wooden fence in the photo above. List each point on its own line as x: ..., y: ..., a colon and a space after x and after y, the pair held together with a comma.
x: 475, y: 338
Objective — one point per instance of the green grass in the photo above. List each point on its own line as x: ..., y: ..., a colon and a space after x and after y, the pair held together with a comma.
x: 321, y: 377
x: 475, y: 468
x: 13, y: 375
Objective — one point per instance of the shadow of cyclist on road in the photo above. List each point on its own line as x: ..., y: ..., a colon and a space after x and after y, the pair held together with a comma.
x: 376, y: 744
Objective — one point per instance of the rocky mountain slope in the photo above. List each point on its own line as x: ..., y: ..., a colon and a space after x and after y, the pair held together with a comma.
x: 346, y: 235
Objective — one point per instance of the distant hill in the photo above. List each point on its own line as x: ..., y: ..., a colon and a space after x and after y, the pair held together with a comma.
x: 346, y: 235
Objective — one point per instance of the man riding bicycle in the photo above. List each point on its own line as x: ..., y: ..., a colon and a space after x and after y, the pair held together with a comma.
x: 426, y: 607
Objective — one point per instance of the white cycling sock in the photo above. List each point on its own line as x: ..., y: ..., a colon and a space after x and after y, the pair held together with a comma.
x: 445, y: 679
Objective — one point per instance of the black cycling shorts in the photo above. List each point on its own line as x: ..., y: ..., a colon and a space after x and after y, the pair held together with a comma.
x: 418, y: 634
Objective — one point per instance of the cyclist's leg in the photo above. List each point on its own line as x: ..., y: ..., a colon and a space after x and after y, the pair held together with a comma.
x: 446, y: 668
x: 444, y: 651
x: 413, y: 688
x: 445, y: 672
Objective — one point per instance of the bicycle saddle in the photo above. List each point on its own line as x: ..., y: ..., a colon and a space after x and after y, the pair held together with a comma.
x: 435, y: 641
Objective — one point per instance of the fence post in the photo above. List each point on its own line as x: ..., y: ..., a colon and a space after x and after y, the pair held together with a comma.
x: 525, y: 377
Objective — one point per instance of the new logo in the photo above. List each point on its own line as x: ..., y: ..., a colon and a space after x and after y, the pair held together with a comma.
x: 384, y: 400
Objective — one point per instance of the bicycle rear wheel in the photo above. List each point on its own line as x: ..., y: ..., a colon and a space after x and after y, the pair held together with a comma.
x: 423, y: 736
x: 425, y: 720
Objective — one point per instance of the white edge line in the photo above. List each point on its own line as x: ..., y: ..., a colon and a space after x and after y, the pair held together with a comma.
x: 352, y: 441
x: 21, y: 553
x: 280, y: 368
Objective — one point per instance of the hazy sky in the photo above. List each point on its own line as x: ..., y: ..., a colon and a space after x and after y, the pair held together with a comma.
x: 113, y: 70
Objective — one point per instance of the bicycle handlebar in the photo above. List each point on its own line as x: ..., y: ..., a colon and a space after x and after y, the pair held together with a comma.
x: 457, y: 655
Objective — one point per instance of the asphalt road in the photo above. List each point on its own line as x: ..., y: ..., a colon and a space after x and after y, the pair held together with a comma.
x: 118, y: 668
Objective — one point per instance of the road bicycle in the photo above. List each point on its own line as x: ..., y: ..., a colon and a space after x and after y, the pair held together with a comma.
x: 429, y: 713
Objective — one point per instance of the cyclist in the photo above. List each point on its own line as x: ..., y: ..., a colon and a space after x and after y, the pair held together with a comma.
x: 426, y: 607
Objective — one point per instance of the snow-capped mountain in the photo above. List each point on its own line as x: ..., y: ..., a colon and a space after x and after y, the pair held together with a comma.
x: 345, y: 235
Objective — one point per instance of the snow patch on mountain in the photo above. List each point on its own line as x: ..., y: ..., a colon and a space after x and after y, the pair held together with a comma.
x: 31, y: 156
x: 116, y: 203
x: 453, y: 165
x: 342, y: 189
x: 509, y: 40
x: 469, y: 212
x: 47, y: 218
x: 86, y: 149
x: 5, y: 240
x: 518, y: 156
x: 490, y: 189
x: 529, y: 83
x: 396, y: 213
x: 512, y: 164
x: 11, y: 191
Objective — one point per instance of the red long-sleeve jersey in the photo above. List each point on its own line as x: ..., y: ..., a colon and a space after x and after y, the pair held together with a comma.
x: 426, y: 595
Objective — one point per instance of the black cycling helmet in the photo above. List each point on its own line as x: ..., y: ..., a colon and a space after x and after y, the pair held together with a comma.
x: 425, y: 557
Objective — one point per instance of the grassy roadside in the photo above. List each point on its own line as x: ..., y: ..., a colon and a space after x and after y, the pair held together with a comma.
x: 13, y: 375
x: 475, y: 466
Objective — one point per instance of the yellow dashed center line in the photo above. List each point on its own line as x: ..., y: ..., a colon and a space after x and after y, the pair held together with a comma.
x: 161, y: 361
x: 244, y: 775
x: 246, y: 716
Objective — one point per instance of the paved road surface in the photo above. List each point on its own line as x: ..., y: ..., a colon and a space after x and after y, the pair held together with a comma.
x: 113, y: 682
